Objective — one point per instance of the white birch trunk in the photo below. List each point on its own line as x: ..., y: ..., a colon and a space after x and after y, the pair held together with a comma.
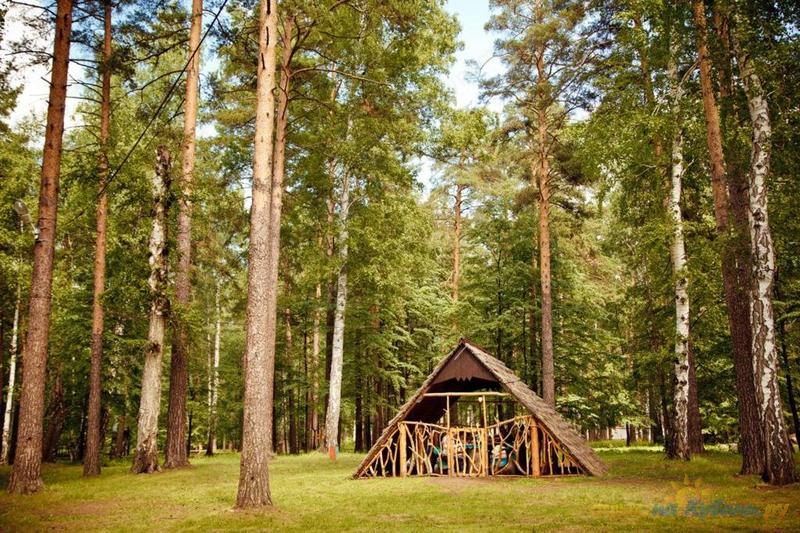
x: 335, y: 384
x: 146, y: 454
x: 315, y: 348
x: 215, y: 377
x: 12, y: 375
x: 678, y: 255
x: 779, y: 455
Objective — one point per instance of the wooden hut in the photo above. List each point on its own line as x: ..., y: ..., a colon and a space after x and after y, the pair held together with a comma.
x: 473, y: 417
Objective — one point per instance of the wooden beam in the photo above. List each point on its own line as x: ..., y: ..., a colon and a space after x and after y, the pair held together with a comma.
x: 402, y: 450
x: 451, y: 463
x: 484, y: 452
x: 537, y: 470
x: 460, y: 394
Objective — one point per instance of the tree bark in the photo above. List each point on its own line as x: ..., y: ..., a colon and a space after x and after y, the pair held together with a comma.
x: 457, y: 240
x: 12, y: 376
x: 548, y: 365
x: 735, y: 260
x: 678, y: 255
x: 533, y: 325
x: 56, y: 413
x: 145, y: 459
x: 779, y: 464
x: 91, y: 461
x: 259, y: 359
x: 543, y: 180
x: 312, y: 433
x: 695, y: 423
x: 211, y: 447
x: 26, y: 476
x: 119, y: 438
x: 788, y: 370
x: 337, y: 357
x: 330, y: 309
x: 175, y: 453
x: 294, y: 442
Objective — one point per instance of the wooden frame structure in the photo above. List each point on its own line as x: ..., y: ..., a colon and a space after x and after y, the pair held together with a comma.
x: 430, y: 437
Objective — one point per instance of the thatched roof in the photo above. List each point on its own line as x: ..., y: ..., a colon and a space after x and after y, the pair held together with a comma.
x: 547, y: 416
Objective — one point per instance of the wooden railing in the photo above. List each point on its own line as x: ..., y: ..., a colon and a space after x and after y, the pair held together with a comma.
x: 517, y: 446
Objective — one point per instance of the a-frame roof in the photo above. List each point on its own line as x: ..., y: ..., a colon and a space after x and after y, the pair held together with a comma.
x: 546, y: 415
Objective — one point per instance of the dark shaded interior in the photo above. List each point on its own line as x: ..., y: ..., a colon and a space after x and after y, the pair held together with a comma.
x: 463, y: 373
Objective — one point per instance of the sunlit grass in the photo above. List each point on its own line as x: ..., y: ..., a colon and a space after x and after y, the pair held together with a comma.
x: 311, y: 493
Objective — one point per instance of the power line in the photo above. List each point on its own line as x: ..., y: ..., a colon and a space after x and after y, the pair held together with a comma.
x: 159, y: 109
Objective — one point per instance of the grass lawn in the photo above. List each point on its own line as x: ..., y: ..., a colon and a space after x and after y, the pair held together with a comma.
x: 642, y: 492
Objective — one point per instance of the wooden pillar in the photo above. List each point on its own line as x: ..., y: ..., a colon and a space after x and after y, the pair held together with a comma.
x: 537, y: 470
x: 447, y: 414
x: 402, y: 440
x: 485, y: 452
x: 451, y: 462
x: 485, y: 439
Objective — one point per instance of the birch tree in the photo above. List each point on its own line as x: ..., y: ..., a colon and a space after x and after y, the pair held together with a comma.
x: 213, y: 378
x: 12, y: 375
x: 145, y: 459
x: 337, y: 359
x: 779, y: 466
x: 679, y: 271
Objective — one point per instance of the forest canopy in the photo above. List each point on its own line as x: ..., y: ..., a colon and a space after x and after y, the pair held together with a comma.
x: 258, y: 226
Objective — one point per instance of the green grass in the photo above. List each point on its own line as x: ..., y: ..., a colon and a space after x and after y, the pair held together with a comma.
x: 311, y: 493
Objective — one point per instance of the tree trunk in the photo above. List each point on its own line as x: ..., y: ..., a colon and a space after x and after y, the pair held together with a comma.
x: 735, y: 261
x: 211, y: 447
x: 12, y: 376
x: 119, y: 439
x: 56, y: 413
x: 26, y: 476
x: 312, y: 433
x: 359, y: 404
x: 335, y: 383
x: 548, y: 365
x: 667, y: 422
x: 330, y: 309
x: 259, y: 360
x: 145, y: 459
x: 175, y: 453
x: 533, y: 325
x: 294, y: 442
x: 779, y: 464
x: 457, y: 240
x: 789, y: 384
x: 542, y: 175
x: 91, y: 462
x: 678, y: 255
x: 695, y: 423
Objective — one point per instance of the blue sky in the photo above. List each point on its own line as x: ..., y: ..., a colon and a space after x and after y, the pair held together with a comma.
x: 477, y: 45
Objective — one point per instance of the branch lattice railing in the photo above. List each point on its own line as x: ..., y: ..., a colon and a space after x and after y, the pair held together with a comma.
x: 517, y: 446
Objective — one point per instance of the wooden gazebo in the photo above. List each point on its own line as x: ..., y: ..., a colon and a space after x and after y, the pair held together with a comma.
x: 473, y: 417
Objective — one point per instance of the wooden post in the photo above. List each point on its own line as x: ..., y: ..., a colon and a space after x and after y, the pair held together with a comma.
x: 485, y: 452
x: 485, y: 435
x: 447, y: 413
x: 451, y: 462
x: 403, y: 465
x: 537, y: 471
